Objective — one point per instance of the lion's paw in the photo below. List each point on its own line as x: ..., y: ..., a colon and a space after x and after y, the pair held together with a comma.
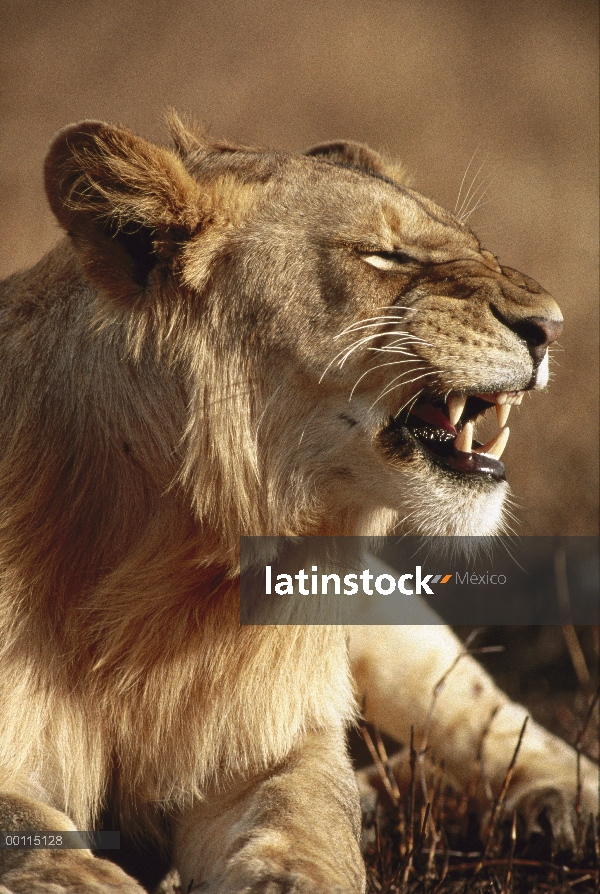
x: 269, y: 881
x: 265, y: 877
x: 549, y: 808
x: 64, y: 872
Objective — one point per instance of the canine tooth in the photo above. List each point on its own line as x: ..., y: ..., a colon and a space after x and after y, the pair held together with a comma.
x: 502, y: 411
x: 502, y: 398
x: 496, y: 446
x: 456, y: 404
x: 464, y: 439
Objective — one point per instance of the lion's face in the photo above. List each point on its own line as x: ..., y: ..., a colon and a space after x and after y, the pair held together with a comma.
x: 383, y: 331
x: 342, y: 332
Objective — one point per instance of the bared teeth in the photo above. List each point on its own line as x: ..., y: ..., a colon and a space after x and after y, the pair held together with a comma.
x: 456, y: 404
x: 464, y: 439
x: 502, y: 411
x: 508, y: 397
x: 496, y: 446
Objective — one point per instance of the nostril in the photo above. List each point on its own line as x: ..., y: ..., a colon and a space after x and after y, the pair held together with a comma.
x: 537, y: 332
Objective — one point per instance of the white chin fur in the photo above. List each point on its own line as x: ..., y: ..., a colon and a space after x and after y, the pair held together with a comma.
x: 542, y: 375
x: 439, y: 509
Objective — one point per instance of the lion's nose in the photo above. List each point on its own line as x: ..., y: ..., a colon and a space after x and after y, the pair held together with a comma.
x: 538, y: 333
x: 526, y: 308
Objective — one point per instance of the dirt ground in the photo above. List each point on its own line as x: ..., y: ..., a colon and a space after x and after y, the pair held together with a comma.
x: 511, y: 86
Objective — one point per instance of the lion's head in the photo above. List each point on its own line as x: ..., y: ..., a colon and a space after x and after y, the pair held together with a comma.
x: 337, y: 332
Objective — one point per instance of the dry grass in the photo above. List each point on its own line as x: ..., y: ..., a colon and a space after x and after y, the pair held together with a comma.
x: 427, y: 840
x: 424, y: 837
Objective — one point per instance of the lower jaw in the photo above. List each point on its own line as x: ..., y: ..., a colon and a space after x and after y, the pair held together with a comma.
x: 470, y: 467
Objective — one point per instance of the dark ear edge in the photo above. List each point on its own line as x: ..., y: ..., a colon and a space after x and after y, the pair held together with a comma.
x: 126, y: 203
x: 346, y: 152
x: 357, y: 155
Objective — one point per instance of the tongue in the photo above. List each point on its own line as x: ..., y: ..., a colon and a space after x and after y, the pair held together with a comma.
x: 433, y: 416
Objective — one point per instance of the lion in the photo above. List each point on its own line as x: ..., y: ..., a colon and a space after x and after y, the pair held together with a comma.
x: 177, y: 372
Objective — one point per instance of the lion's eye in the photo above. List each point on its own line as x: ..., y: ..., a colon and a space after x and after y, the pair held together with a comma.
x: 386, y: 260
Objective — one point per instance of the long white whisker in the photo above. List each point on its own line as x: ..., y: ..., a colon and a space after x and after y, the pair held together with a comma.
x: 400, y: 380
x: 392, y: 386
x: 468, y: 193
x: 346, y: 352
x: 476, y: 198
x: 476, y: 208
x: 364, y: 340
x: 404, y: 341
x: 358, y: 344
x: 369, y: 322
x: 367, y: 326
x: 462, y: 182
x: 394, y: 350
x: 372, y: 369
x: 409, y: 403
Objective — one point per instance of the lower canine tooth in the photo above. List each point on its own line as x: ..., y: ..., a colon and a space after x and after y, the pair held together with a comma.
x: 464, y: 439
x: 496, y: 446
x: 502, y: 411
x: 456, y: 404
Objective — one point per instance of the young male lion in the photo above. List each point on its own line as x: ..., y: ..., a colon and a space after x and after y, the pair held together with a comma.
x: 177, y: 373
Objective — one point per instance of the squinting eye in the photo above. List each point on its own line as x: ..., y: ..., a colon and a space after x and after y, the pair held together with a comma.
x: 387, y: 260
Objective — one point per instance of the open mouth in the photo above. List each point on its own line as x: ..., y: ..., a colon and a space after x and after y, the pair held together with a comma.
x: 443, y: 430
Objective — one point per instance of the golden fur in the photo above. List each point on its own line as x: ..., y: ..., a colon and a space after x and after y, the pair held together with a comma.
x: 173, y: 380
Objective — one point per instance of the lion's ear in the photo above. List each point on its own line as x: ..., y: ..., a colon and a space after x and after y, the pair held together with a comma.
x: 127, y: 204
x: 357, y: 155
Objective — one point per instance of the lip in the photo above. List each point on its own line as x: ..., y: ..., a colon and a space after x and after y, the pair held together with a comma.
x: 442, y: 431
x: 397, y: 438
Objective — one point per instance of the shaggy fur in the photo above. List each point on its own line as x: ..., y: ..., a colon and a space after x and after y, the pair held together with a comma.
x: 172, y: 379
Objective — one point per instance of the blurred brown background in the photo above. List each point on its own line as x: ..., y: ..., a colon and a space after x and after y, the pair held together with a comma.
x: 429, y: 82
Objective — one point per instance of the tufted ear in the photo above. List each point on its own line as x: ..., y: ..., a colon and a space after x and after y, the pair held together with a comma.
x: 186, y: 134
x: 357, y: 155
x: 128, y: 205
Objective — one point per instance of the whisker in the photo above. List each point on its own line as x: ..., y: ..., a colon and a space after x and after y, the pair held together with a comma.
x: 483, y: 184
x: 468, y: 193
x: 476, y: 198
x: 372, y: 369
x: 462, y: 182
x: 358, y: 344
x: 392, y: 386
x: 405, y: 341
x: 364, y: 340
x: 410, y: 404
x: 369, y: 322
x: 477, y: 206
x: 346, y: 352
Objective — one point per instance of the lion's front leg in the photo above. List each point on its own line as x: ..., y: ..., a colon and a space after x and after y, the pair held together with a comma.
x: 72, y: 871
x: 295, y: 830
x: 396, y: 671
